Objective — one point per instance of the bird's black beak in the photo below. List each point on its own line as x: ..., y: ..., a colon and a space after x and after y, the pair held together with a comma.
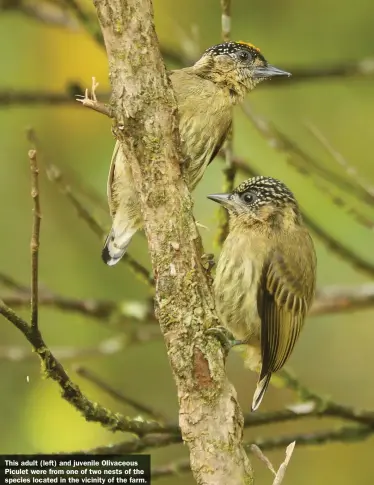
x: 222, y: 199
x: 269, y: 71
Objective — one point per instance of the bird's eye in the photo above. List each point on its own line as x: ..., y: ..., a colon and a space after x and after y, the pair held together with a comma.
x: 248, y: 197
x: 244, y: 55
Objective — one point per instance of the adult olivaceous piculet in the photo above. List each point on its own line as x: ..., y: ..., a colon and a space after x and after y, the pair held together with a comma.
x: 205, y: 94
x: 265, y: 277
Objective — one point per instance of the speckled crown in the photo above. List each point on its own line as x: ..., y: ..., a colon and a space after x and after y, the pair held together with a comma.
x: 267, y: 189
x: 231, y: 48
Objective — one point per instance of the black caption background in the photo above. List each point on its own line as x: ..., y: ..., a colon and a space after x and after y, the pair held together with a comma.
x: 75, y: 469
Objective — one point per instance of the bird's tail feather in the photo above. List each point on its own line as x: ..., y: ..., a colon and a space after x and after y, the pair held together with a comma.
x: 261, y: 387
x: 116, y: 245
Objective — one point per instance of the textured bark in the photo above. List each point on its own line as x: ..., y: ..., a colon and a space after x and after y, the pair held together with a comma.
x: 146, y: 123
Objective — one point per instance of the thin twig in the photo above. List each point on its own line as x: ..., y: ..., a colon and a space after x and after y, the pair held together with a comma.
x: 226, y: 20
x: 35, y: 238
x: 361, y: 68
x: 260, y: 455
x: 342, y: 434
x: 329, y: 299
x: 91, y: 411
x: 55, y: 175
x: 346, y: 434
x: 335, y: 299
x: 302, y: 161
x: 118, y: 395
x: 44, y: 12
x: 365, y: 191
x: 229, y: 171
x: 51, y: 366
x: 326, y: 406
x: 338, y: 157
x: 88, y: 21
x: 11, y: 283
x: 90, y: 101
x: 107, y: 312
x: 136, y: 445
x: 282, y: 469
x: 357, y: 261
x: 105, y: 348
x: 12, y: 97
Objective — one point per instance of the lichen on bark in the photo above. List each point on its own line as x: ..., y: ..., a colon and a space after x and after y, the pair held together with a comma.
x: 146, y: 124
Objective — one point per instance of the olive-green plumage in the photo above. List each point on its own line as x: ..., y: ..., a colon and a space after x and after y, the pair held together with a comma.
x: 266, y: 274
x: 205, y: 94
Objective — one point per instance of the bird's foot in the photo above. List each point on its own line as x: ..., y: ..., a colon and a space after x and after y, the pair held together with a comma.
x: 208, y: 261
x: 225, y: 337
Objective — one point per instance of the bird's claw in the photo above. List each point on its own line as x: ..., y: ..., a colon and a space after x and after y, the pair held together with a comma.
x: 225, y: 337
x: 208, y: 261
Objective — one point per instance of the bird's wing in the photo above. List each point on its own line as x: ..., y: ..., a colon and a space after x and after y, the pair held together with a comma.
x: 111, y: 198
x: 220, y: 143
x: 285, y: 292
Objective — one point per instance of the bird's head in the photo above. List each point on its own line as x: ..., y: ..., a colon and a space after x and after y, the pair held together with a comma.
x: 261, y: 200
x: 238, y: 66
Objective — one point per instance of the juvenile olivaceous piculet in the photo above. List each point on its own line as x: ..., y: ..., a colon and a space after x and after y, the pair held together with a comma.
x: 265, y: 277
x: 205, y: 94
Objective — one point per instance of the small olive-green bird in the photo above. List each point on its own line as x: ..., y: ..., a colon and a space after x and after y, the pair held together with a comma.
x: 266, y: 275
x: 205, y: 94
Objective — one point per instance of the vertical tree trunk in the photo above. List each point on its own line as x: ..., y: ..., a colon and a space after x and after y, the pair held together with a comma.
x: 146, y: 123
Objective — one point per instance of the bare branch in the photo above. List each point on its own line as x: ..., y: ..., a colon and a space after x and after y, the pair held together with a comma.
x: 282, y: 469
x: 259, y: 454
x: 337, y: 247
x: 11, y: 283
x: 229, y: 171
x: 90, y: 101
x: 35, y: 239
x: 304, y: 163
x: 118, y: 395
x: 136, y: 445
x: 91, y: 411
x: 335, y: 299
x: 362, y: 187
x: 42, y: 11
x: 105, y: 348
x: 329, y: 299
x: 12, y: 97
x: 56, y: 15
x: 55, y: 175
x: 88, y: 21
x: 347, y: 69
x: 226, y: 20
x: 107, y: 312
x: 52, y: 367
x: 347, y: 434
x: 325, y: 406
x: 338, y: 157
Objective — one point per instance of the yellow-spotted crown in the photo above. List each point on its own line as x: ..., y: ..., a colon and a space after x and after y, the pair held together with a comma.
x: 244, y: 50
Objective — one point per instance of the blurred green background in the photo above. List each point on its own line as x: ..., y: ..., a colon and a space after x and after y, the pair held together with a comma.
x: 334, y: 355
